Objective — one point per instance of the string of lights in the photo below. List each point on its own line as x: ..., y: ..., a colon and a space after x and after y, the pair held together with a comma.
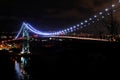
x: 93, y: 19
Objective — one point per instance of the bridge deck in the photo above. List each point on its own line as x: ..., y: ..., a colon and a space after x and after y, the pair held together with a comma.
x: 83, y: 38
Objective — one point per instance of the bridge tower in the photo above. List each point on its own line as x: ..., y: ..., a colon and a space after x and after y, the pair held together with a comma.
x: 25, y: 46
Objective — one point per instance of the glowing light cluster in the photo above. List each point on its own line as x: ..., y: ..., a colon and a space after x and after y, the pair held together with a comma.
x: 29, y: 27
x: 91, y: 20
x: 35, y: 31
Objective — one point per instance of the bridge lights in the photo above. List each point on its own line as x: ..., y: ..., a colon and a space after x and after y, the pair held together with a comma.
x: 98, y: 19
x: 84, y: 25
x: 81, y: 27
x: 65, y: 30
x: 100, y: 13
x: 103, y: 17
x: 108, y: 13
x: 113, y: 5
x: 86, y: 21
x: 53, y: 33
x: 71, y: 28
x: 68, y: 29
x: 93, y: 21
x: 95, y: 16
x: 78, y: 25
x: 106, y: 9
x: 81, y: 23
x: 74, y: 27
x: 90, y: 19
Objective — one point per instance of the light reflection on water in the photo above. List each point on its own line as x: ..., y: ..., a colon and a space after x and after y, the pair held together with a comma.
x: 20, y: 65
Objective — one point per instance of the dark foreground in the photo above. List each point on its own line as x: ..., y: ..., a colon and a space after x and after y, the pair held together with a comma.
x: 66, y: 57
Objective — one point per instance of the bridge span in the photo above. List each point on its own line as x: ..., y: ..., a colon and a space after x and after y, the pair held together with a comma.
x: 82, y: 38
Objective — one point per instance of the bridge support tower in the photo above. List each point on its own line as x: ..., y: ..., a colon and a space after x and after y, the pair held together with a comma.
x: 25, y: 45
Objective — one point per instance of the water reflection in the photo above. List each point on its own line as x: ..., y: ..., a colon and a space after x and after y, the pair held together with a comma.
x: 21, y: 64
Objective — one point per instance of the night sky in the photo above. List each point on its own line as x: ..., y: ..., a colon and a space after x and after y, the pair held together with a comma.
x: 47, y: 14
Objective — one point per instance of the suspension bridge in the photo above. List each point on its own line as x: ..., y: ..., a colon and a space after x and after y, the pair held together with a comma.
x: 26, y: 27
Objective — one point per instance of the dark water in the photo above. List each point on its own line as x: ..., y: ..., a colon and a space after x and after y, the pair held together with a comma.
x: 67, y: 57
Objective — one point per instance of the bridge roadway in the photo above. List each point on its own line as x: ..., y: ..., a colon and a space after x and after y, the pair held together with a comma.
x: 82, y: 38
x: 67, y: 37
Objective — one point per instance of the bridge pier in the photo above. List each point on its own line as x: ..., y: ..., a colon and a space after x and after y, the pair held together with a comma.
x: 25, y: 46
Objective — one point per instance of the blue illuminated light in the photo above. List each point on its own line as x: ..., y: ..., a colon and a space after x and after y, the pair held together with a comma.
x: 103, y: 17
x: 84, y: 25
x: 81, y: 23
x: 108, y: 13
x: 90, y: 19
x: 98, y: 19
x: 74, y: 26
x: 95, y: 16
x: 65, y: 30
x: 68, y: 29
x: 36, y: 31
x: 78, y: 25
x: 106, y: 9
x: 18, y: 71
x: 71, y: 28
x: 113, y: 5
x: 100, y: 13
x: 81, y: 27
x: 86, y: 21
